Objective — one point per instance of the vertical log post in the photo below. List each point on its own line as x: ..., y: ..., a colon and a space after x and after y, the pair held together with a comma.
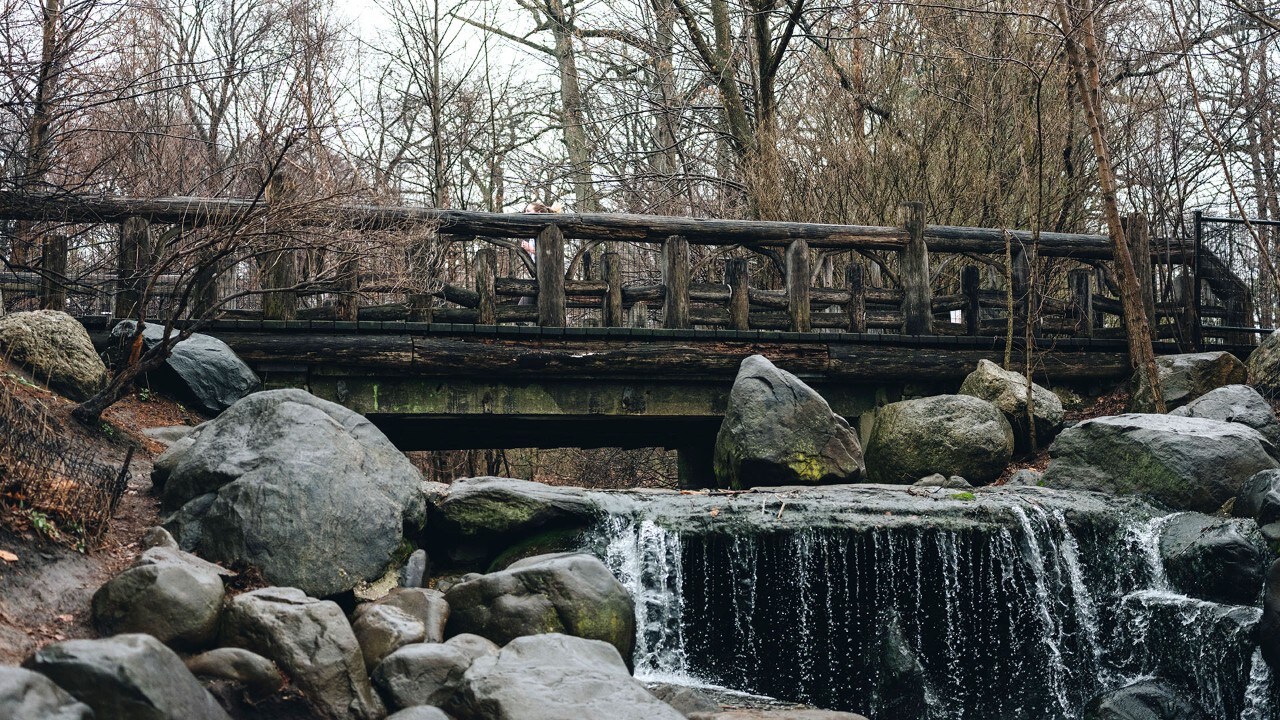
x: 1080, y: 280
x: 798, y: 306
x: 486, y: 272
x: 133, y: 257
x: 1139, y: 234
x: 737, y: 277
x: 917, y: 302
x: 1022, y: 302
x: 675, y: 280
x: 550, y: 265
x: 856, y: 307
x: 611, y: 310
x: 970, y: 284
x: 1189, y: 317
x: 279, y: 270
x: 53, y: 275
x: 348, y: 300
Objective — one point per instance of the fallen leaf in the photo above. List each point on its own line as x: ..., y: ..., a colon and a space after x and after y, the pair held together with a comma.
x: 7, y: 556
x: 715, y: 511
x: 64, y: 618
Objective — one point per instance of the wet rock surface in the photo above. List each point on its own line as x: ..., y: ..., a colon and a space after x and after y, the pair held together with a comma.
x: 1217, y: 559
x: 1144, y: 700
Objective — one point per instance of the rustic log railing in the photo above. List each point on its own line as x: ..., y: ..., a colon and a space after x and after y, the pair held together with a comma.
x: 1082, y: 308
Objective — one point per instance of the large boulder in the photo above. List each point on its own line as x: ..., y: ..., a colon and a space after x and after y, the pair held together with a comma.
x: 1259, y: 499
x: 422, y: 674
x: 56, y: 349
x: 948, y: 434
x: 127, y: 677
x: 1143, y: 700
x: 1008, y: 391
x: 306, y: 490
x: 200, y: 369
x: 1185, y: 377
x: 778, y: 431
x: 165, y: 596
x: 1264, y: 365
x: 1184, y: 463
x: 312, y: 643
x: 425, y: 605
x: 481, y: 517
x: 554, y: 677
x: 570, y: 593
x: 1235, y: 403
x: 27, y: 695
x: 1218, y: 559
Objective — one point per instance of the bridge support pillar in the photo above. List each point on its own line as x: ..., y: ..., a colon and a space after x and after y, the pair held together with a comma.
x: 696, y: 467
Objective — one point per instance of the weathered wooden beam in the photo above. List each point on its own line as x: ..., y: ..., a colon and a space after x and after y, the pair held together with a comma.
x: 737, y: 276
x: 970, y: 283
x: 550, y: 249
x: 917, y: 311
x: 856, y: 308
x: 611, y: 307
x: 486, y: 266
x: 797, y: 259
x: 675, y: 279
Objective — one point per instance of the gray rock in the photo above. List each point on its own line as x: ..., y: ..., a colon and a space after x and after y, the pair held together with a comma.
x: 570, y: 593
x: 779, y: 431
x: 554, y: 677
x: 1026, y: 476
x: 383, y: 629
x: 311, y: 493
x: 1259, y: 498
x: 1143, y: 700
x: 1264, y: 365
x: 483, y: 516
x: 1008, y: 392
x: 415, y: 570
x: 473, y: 646
x: 1217, y: 559
x: 426, y: 605
x: 27, y: 695
x: 1235, y: 403
x: 948, y: 434
x: 127, y: 677
x: 942, y: 481
x: 1185, y: 463
x: 422, y: 674
x: 312, y: 642
x: 1185, y: 377
x: 201, y: 369
x: 167, y: 435
x: 899, y: 689
x: 259, y: 676
x: 420, y: 712
x: 56, y: 349
x: 178, y: 603
x: 686, y: 700
x: 157, y: 537
x: 163, y: 554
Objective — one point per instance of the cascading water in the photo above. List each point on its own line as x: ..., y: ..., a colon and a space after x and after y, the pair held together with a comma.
x: 1024, y: 610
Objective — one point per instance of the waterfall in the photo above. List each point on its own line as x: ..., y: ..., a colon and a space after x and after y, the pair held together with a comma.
x: 1028, y: 613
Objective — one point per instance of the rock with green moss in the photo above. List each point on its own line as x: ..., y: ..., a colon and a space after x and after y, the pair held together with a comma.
x: 1183, y: 462
x: 948, y: 434
x: 779, y: 431
x: 1185, y: 377
x: 56, y: 349
x: 482, y: 518
x: 569, y: 593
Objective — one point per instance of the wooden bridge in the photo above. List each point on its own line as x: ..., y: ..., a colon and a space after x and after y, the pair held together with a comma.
x: 563, y: 351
